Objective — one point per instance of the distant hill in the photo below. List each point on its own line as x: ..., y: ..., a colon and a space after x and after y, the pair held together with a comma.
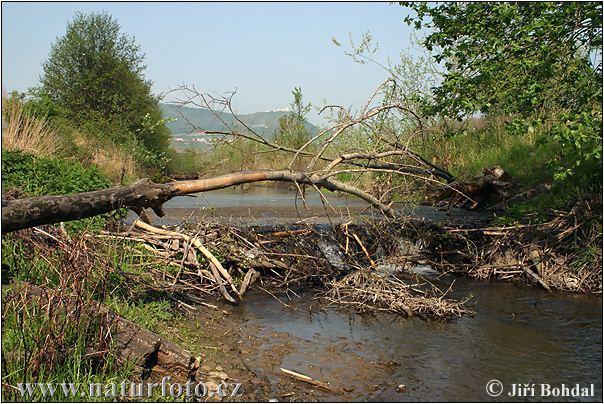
x: 264, y: 123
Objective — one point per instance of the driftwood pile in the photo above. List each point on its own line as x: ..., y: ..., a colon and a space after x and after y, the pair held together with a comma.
x: 342, y: 261
x: 562, y: 252
x: 370, y: 291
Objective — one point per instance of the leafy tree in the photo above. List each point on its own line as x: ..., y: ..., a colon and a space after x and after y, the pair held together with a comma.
x: 539, y: 62
x: 95, y: 75
x: 292, y: 131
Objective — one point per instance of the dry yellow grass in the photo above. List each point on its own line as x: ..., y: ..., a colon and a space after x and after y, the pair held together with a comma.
x: 113, y: 161
x: 21, y: 131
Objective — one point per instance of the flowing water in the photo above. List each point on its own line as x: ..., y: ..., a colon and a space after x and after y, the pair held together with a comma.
x: 519, y: 334
x: 270, y: 206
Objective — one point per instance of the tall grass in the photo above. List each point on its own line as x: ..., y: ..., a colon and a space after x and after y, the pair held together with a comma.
x: 489, y: 143
x: 20, y: 131
x: 112, y: 160
x: 67, y: 341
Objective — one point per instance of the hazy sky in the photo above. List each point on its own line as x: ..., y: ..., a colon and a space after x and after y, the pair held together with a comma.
x: 261, y: 49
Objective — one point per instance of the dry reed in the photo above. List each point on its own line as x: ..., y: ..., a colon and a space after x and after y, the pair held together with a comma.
x: 21, y: 131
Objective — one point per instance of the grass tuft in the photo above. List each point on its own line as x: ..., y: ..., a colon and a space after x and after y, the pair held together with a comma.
x: 20, y: 131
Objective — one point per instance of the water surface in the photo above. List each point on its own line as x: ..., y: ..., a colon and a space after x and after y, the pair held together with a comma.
x: 518, y: 335
x: 278, y: 205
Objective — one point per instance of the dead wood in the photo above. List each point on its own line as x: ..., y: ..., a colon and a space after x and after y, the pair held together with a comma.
x: 307, y: 379
x: 220, y: 274
x: 551, y: 254
x: 487, y: 189
x: 389, y: 153
x: 29, y: 212
x: 153, y: 357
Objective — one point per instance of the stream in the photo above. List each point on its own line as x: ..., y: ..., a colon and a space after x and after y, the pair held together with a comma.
x: 519, y: 334
x: 256, y: 205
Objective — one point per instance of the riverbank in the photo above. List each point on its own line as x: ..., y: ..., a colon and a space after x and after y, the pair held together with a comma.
x: 294, y: 279
x: 517, y: 333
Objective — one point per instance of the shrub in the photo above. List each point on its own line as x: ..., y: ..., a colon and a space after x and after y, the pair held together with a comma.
x: 47, y: 176
x: 34, y: 176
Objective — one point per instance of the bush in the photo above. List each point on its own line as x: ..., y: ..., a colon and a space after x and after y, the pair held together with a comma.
x: 35, y: 176
x: 116, y: 103
x: 531, y: 62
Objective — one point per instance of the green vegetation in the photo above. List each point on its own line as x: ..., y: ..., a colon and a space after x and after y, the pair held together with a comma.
x: 292, y: 131
x: 534, y: 64
x: 31, y: 355
x: 29, y: 175
x: 59, y: 139
x: 84, y: 273
x: 47, y: 176
x: 507, y: 84
x: 519, y: 90
x: 109, y: 96
x: 95, y: 97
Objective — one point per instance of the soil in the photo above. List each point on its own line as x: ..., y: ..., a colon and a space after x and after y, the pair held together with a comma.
x: 518, y: 333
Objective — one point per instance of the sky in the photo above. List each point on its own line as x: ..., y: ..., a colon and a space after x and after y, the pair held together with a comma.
x: 262, y: 50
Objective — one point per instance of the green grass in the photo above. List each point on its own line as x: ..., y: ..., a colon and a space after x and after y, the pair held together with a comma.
x: 124, y: 289
x: 466, y: 154
x: 148, y: 314
x: 28, y: 329
x: 525, y: 153
x: 28, y: 356
x: 36, y: 176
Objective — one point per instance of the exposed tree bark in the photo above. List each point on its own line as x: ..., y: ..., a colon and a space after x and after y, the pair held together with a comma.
x: 153, y: 357
x: 491, y: 186
x: 23, y: 213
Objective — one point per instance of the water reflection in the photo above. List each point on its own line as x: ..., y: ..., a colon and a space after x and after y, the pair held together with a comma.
x: 518, y: 335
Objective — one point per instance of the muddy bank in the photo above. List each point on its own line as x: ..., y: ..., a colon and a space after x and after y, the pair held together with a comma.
x: 518, y: 334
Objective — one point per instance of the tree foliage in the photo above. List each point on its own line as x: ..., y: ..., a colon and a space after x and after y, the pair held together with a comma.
x: 538, y: 62
x: 95, y: 75
x: 292, y: 131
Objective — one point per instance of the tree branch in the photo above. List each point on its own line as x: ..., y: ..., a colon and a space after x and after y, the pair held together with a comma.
x: 23, y: 213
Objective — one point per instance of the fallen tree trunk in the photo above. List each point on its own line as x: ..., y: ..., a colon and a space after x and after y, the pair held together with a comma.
x: 152, y: 356
x: 488, y: 188
x: 23, y: 213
